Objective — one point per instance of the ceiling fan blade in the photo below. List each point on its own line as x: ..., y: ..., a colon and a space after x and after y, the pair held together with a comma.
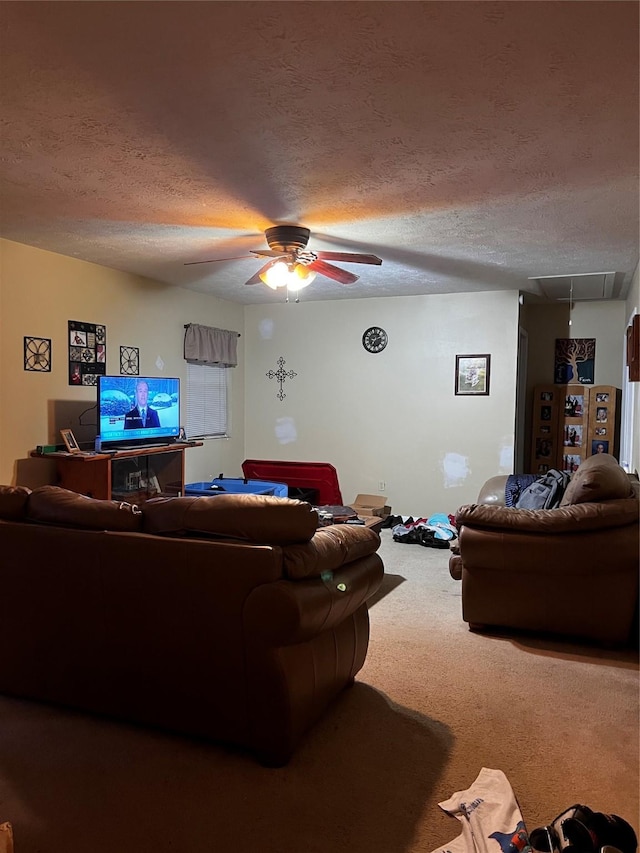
x: 335, y: 273
x: 349, y: 257
x: 255, y: 278
x: 269, y: 253
x: 213, y: 260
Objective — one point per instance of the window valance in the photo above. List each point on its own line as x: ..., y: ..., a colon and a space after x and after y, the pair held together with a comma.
x: 207, y: 345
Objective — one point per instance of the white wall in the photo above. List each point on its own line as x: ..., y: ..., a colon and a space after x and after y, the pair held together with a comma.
x: 39, y: 292
x: 393, y: 416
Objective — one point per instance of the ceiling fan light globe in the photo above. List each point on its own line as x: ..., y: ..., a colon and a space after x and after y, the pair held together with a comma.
x: 301, y: 277
x: 282, y: 274
x: 276, y: 276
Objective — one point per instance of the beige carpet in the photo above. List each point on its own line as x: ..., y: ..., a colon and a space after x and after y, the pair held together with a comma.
x: 433, y: 705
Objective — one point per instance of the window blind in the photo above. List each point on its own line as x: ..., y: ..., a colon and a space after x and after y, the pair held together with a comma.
x: 206, y: 401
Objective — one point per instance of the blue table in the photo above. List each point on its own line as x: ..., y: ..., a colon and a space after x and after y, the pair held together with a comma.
x: 229, y: 485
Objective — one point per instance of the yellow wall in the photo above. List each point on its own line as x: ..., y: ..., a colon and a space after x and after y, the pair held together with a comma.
x: 39, y: 292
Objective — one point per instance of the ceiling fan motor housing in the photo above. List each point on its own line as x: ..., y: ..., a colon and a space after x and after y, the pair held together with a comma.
x: 287, y: 238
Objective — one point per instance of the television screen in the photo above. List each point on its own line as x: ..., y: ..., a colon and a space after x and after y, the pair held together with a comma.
x: 138, y: 410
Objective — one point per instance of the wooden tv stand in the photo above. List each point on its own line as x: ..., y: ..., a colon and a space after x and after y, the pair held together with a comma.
x: 126, y: 475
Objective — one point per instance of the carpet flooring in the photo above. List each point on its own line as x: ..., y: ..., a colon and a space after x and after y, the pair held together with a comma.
x: 433, y: 704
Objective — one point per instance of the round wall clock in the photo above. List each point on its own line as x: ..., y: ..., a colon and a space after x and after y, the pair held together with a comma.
x: 375, y: 339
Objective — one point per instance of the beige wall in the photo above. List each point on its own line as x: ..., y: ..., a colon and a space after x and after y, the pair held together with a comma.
x: 39, y: 292
x: 390, y: 417
x: 603, y: 321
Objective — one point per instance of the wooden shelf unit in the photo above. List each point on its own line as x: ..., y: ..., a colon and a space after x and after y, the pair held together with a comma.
x: 544, y: 435
x: 604, y: 420
x: 568, y: 423
x: 572, y: 427
x: 127, y: 475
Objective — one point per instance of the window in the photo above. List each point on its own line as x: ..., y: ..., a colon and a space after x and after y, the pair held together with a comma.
x: 206, y: 401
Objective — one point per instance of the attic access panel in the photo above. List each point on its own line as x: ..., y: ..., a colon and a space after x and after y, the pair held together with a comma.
x: 586, y: 286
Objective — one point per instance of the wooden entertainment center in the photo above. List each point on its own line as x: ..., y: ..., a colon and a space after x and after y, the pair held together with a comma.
x: 125, y: 475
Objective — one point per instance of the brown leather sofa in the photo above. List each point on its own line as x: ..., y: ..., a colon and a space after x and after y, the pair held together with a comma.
x: 231, y: 617
x: 571, y: 570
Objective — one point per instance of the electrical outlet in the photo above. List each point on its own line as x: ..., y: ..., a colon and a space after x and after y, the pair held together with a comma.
x: 382, y: 486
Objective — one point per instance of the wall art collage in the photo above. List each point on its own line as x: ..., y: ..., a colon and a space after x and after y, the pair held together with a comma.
x: 87, y: 354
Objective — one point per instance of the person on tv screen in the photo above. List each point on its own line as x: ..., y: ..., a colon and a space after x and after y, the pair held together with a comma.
x: 141, y: 416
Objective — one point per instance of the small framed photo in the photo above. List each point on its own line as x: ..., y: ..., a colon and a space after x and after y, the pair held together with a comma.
x: 544, y: 448
x: 472, y: 374
x: 70, y: 441
x: 601, y: 414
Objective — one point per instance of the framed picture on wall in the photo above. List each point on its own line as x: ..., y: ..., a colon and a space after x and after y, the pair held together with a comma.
x: 87, y: 352
x: 575, y: 360
x: 473, y: 374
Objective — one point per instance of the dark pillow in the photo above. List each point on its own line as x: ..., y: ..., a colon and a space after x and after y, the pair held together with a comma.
x: 252, y: 518
x: 13, y: 502
x: 53, y: 505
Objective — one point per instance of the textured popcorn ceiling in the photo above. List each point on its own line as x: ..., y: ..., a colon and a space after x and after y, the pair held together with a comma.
x: 471, y: 145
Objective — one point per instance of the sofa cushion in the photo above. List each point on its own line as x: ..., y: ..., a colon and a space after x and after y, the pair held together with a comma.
x: 13, y: 502
x: 259, y: 519
x: 599, y: 478
x: 54, y: 505
x: 330, y: 548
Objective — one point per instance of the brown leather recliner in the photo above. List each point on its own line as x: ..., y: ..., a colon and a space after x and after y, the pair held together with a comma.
x: 571, y: 570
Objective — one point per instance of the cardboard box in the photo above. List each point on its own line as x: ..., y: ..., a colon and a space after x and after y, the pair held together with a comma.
x: 366, y: 505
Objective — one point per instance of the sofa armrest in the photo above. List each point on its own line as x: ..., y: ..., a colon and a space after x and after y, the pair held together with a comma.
x: 329, y: 549
x: 289, y: 612
x: 569, y: 519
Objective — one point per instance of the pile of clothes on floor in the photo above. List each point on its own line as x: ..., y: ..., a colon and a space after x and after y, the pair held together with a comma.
x: 492, y: 823
x: 437, y: 531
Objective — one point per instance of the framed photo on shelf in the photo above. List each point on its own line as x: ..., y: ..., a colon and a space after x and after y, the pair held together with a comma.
x: 472, y: 375
x: 70, y: 441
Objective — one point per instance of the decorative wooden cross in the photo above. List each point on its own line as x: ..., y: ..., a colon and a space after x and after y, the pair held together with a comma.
x: 281, y: 375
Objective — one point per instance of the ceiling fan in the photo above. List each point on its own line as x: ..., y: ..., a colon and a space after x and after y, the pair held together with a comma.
x: 292, y: 265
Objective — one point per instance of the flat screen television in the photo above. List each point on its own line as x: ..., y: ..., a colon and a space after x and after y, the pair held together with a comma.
x: 138, y: 411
